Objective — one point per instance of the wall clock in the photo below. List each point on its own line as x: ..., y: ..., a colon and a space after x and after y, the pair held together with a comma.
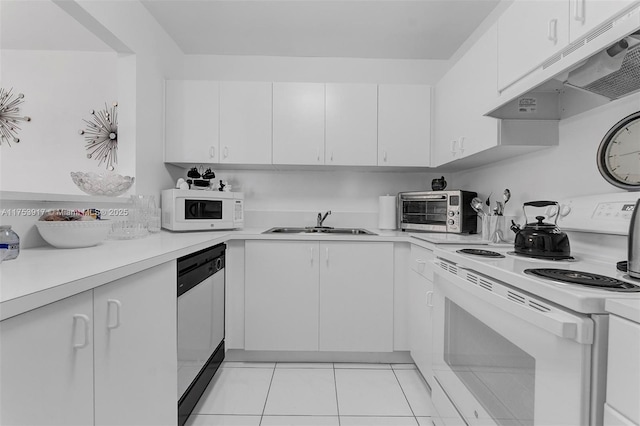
x: 619, y: 154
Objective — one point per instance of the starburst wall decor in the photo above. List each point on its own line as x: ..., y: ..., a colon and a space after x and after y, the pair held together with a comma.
x: 101, y: 136
x: 9, y: 116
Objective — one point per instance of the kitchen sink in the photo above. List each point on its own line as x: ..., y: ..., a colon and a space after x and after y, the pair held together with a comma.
x: 318, y: 230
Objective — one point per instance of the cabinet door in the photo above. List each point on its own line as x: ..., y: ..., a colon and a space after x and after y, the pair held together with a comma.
x: 245, y: 122
x: 404, y: 125
x: 298, y: 123
x: 587, y: 15
x: 529, y: 33
x: 420, y: 320
x: 351, y: 124
x: 135, y: 349
x: 356, y: 297
x: 191, y: 121
x: 623, y: 370
x: 281, y: 295
x: 47, y: 364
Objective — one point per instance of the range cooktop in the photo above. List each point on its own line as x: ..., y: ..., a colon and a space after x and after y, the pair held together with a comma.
x: 480, y: 252
x: 583, y: 278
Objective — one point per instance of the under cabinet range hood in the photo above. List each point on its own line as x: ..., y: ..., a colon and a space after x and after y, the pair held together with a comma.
x: 592, y: 71
x: 612, y: 73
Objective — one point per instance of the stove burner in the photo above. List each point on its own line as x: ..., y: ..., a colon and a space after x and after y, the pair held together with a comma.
x: 533, y: 256
x: 480, y: 252
x: 584, y: 278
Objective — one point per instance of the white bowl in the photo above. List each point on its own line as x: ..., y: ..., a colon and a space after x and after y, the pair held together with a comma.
x: 107, y: 184
x: 74, y: 234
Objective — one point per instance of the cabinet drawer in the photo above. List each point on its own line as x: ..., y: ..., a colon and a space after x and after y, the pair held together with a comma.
x: 422, y: 261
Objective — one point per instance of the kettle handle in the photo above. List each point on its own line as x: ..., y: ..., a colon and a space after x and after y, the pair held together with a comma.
x: 540, y: 204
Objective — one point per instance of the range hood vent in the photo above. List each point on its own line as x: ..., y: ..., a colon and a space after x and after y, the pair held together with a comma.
x: 613, y: 73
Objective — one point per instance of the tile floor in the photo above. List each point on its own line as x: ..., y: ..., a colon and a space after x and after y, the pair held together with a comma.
x: 314, y: 394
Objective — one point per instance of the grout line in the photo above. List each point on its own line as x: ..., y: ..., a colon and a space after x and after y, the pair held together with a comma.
x: 268, y: 390
x: 335, y: 384
x: 405, y: 397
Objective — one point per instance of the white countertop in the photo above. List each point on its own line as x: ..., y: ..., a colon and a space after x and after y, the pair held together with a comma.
x: 45, y: 274
x: 629, y: 309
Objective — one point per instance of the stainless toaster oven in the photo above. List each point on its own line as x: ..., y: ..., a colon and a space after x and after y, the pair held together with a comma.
x: 437, y: 211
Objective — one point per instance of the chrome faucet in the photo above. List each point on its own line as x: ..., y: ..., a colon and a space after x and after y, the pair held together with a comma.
x: 321, y: 218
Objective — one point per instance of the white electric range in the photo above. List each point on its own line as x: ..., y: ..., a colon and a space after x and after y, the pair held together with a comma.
x: 515, y: 348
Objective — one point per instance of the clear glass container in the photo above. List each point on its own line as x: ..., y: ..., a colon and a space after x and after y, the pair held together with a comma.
x: 9, y: 243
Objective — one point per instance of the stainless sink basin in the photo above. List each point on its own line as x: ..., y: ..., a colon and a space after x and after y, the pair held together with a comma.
x: 318, y: 230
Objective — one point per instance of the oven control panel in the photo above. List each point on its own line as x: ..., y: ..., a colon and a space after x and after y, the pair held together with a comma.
x: 606, y: 213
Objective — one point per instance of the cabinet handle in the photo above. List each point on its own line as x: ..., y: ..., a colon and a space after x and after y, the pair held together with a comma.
x: 212, y: 152
x: 318, y: 154
x: 578, y: 11
x: 453, y: 147
x: 226, y: 152
x: 311, y: 255
x: 430, y: 299
x: 85, y: 319
x: 552, y: 33
x: 384, y: 156
x: 118, y: 306
x: 421, y: 261
x: 332, y: 156
x: 461, y: 144
x: 326, y: 252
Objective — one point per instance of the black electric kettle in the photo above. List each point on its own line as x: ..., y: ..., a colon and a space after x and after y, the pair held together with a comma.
x: 541, y: 239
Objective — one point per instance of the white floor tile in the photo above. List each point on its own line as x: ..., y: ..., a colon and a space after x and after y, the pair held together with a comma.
x: 424, y: 421
x: 219, y: 420
x: 368, y: 366
x: 302, y: 392
x: 370, y: 392
x: 304, y: 365
x: 242, y: 364
x: 416, y: 391
x: 377, y: 421
x: 236, y: 391
x: 300, y: 421
x: 408, y: 366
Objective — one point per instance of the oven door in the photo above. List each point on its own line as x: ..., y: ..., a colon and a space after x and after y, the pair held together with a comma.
x: 425, y: 213
x: 506, y: 358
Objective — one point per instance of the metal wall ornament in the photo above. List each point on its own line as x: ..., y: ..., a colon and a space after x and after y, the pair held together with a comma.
x: 101, y: 136
x: 10, y: 116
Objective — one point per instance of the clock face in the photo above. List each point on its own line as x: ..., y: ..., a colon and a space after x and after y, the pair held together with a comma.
x: 619, y: 154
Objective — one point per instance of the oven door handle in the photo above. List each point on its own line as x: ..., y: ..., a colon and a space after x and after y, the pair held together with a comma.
x: 560, y: 323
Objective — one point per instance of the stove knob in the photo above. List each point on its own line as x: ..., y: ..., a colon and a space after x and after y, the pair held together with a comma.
x: 451, y: 213
x: 451, y: 221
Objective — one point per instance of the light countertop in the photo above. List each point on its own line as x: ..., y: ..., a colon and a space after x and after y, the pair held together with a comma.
x: 45, y: 274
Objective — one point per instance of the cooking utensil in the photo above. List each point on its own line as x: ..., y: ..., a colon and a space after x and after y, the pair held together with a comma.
x: 476, y: 204
x: 541, y: 239
x: 500, y: 208
x: 633, y: 257
x: 488, y: 202
x: 506, y: 196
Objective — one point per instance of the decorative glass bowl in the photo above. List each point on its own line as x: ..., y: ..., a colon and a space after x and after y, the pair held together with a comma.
x: 74, y: 234
x: 107, y: 184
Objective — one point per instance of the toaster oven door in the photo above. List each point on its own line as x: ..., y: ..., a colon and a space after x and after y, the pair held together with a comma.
x: 430, y: 212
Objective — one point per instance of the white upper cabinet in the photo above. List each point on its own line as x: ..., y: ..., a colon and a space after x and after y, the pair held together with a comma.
x: 192, y: 121
x: 529, y: 33
x: 351, y: 124
x: 587, y: 15
x: 404, y: 125
x: 461, y: 99
x: 298, y: 123
x: 245, y: 122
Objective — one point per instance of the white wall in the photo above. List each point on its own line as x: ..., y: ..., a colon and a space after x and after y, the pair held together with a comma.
x: 60, y: 88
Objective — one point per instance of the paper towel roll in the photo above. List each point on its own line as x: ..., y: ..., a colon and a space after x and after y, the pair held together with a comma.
x: 387, y: 212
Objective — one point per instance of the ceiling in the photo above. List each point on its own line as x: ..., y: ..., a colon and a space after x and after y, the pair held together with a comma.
x: 42, y: 25
x: 382, y: 29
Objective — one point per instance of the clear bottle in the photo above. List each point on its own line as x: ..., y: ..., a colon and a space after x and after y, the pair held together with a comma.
x: 9, y: 243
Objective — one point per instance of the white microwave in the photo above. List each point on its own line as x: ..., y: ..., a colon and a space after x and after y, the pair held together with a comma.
x: 195, y: 210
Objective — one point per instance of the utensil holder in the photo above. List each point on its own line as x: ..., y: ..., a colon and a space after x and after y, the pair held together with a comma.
x: 495, y: 229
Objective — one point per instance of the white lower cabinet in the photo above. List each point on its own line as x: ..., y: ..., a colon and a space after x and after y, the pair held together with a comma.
x: 135, y: 349
x: 46, y: 368
x: 105, y: 356
x: 356, y: 297
x: 421, y: 310
x: 310, y: 296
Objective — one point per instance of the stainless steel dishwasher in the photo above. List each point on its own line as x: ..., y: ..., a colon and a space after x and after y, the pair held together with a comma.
x: 200, y: 324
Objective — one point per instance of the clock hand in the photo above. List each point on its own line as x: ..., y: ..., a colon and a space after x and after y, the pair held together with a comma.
x: 629, y: 153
